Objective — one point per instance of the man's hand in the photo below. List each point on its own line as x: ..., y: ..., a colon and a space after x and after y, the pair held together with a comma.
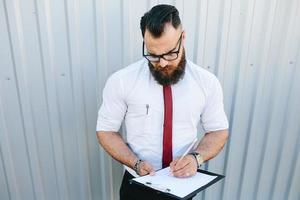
x: 185, y: 168
x: 146, y: 168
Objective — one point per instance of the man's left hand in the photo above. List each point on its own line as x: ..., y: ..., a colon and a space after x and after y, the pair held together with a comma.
x: 185, y: 168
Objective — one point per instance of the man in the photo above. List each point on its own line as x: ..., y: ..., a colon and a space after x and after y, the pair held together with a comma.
x: 162, y: 98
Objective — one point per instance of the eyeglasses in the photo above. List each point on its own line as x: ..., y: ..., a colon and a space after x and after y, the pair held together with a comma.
x: 171, y: 55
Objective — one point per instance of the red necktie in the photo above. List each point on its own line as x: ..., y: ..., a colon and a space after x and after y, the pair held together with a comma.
x: 167, y: 137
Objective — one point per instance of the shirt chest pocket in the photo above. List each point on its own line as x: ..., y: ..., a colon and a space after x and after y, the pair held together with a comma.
x: 138, y: 118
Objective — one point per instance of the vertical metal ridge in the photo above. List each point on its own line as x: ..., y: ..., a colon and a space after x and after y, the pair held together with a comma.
x: 5, y: 174
x: 18, y: 94
x: 103, y: 181
x: 232, y: 109
x: 104, y: 42
x: 295, y: 153
x: 97, y: 66
x: 96, y: 45
x: 71, y: 58
x: 196, y: 46
x: 83, y: 92
x: 44, y: 82
x: 2, y: 119
x: 63, y: 192
x: 252, y: 104
x: 279, y: 151
x: 102, y: 37
x: 218, y: 48
x: 293, y: 170
x: 122, y: 28
x: 111, y: 180
x: 270, y: 111
x: 86, y: 141
x: 205, y: 31
x: 235, y: 96
x: 45, y: 86
x: 218, y: 67
x: 284, y: 43
x: 261, y: 157
x: 59, y: 110
x: 69, y: 62
x: 202, y: 38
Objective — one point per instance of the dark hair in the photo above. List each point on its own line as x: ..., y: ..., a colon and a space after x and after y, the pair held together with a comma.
x: 156, y: 19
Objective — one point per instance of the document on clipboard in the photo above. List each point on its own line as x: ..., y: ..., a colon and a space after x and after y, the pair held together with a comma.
x: 180, y: 188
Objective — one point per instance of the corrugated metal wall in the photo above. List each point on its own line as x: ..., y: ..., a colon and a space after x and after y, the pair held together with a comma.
x: 55, y: 57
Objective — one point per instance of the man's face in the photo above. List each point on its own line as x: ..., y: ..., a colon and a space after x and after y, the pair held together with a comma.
x: 166, y: 71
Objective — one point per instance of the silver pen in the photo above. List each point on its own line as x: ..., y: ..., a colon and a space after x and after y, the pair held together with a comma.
x: 187, y: 151
x: 147, y: 107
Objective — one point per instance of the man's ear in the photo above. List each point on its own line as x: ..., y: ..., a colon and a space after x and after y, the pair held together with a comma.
x: 183, y: 37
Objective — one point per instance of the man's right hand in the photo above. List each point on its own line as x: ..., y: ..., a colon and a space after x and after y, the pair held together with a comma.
x: 146, y: 168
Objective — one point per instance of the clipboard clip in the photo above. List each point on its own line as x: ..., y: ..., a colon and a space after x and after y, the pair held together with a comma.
x: 158, y: 187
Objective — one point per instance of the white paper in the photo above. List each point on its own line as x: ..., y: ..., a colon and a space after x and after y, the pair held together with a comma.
x: 164, y: 181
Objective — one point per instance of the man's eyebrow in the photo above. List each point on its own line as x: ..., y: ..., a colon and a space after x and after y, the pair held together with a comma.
x: 171, y: 51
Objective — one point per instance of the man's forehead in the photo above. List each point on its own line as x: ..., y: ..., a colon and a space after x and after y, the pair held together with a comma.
x: 163, y: 44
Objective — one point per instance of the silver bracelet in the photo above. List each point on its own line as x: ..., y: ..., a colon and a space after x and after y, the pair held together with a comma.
x: 137, y: 166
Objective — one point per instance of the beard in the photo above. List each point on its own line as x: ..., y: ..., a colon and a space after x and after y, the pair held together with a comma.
x: 168, y: 79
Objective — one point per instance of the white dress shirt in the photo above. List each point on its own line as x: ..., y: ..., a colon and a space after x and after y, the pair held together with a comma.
x: 133, y: 95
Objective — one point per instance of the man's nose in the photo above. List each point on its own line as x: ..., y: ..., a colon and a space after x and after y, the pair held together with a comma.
x: 163, y: 62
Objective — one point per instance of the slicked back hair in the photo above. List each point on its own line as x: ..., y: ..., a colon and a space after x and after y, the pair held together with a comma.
x: 155, y: 19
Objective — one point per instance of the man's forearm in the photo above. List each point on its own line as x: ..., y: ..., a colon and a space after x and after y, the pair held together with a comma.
x: 212, y: 143
x: 115, y: 146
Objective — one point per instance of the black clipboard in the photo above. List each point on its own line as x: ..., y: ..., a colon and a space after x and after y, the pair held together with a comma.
x: 192, y: 194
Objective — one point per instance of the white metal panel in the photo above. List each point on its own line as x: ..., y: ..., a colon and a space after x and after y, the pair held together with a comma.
x: 55, y: 57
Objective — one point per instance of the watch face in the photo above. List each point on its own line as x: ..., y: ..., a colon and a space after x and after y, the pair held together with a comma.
x: 198, y: 158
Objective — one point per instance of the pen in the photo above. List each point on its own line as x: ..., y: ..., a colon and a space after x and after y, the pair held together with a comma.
x: 147, y: 107
x: 187, y: 151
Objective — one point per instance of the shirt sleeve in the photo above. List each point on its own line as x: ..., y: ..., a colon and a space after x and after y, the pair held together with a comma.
x: 113, y: 108
x: 213, y: 117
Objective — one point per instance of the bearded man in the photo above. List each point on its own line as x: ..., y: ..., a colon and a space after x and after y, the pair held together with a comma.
x: 162, y: 99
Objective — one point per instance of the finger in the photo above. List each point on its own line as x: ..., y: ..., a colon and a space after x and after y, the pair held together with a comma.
x: 188, y: 159
x: 181, y: 164
x: 146, y: 168
x: 187, y: 171
x: 181, y: 173
x: 172, y: 164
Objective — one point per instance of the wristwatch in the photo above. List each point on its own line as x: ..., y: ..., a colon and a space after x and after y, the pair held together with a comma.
x: 198, y: 158
x: 137, y: 166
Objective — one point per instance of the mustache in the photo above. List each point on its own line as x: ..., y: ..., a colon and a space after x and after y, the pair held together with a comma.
x: 165, y: 68
x: 163, y: 78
